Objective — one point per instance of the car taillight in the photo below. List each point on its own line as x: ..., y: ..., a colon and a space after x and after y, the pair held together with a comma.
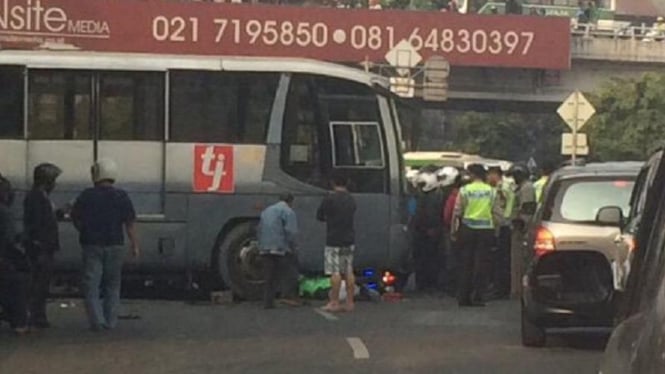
x: 544, y: 242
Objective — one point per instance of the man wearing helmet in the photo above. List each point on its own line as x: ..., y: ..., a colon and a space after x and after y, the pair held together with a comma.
x: 42, y: 239
x: 100, y: 213
x: 427, y: 225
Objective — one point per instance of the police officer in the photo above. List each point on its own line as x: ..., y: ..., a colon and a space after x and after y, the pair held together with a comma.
x: 42, y: 241
x: 473, y: 226
x: 547, y: 169
x: 506, y: 201
x: 524, y: 208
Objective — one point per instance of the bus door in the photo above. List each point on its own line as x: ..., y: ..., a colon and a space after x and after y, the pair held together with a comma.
x: 333, y: 124
x: 77, y: 116
x: 131, y: 123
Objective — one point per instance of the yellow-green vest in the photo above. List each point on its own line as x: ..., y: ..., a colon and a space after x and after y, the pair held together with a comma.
x: 539, y: 186
x: 479, y: 198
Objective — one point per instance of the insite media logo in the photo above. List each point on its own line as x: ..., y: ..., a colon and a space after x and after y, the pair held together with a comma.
x: 213, y: 168
x: 31, y: 17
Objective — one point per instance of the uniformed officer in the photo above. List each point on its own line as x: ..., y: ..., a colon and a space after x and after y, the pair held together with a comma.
x: 547, y: 169
x: 524, y: 208
x: 473, y: 226
x: 505, y: 196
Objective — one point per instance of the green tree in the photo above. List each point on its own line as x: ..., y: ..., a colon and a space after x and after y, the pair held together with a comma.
x: 510, y: 136
x: 630, y: 118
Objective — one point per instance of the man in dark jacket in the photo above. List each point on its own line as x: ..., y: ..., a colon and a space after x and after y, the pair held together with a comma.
x: 428, y: 224
x: 42, y: 241
x: 14, y: 277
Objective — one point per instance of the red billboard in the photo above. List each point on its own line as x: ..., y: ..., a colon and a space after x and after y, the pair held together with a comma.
x: 339, y: 35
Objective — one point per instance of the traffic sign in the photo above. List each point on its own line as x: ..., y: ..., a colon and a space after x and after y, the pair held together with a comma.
x: 568, y: 144
x: 403, y: 57
x: 403, y: 87
x: 576, y: 111
x: 435, y: 79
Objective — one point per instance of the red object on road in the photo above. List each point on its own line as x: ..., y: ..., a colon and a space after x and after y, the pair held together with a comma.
x: 339, y: 35
x: 392, y: 297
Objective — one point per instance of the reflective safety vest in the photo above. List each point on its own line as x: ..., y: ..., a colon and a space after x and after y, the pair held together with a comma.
x: 539, y: 186
x: 509, y: 195
x: 478, y: 198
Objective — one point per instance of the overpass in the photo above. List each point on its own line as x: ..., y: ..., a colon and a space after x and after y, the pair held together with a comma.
x: 506, y: 62
x: 595, y: 57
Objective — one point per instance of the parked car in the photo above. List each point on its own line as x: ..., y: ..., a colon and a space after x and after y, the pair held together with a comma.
x: 572, y: 247
x: 637, y: 345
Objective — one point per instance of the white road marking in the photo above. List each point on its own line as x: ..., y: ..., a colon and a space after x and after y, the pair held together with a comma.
x: 327, y: 315
x: 360, y: 351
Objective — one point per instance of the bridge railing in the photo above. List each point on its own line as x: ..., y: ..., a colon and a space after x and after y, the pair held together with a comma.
x: 639, y: 33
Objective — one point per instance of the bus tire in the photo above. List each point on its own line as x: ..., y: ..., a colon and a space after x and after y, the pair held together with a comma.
x: 238, y: 262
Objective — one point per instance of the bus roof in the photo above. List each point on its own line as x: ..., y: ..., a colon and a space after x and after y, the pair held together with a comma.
x: 153, y: 62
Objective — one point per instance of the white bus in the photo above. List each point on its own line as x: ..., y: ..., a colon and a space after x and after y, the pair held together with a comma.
x: 203, y: 144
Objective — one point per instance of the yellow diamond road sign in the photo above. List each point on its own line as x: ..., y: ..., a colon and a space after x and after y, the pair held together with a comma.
x: 576, y: 111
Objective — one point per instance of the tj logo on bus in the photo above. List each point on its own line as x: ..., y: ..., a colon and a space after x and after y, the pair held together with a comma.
x: 213, y: 168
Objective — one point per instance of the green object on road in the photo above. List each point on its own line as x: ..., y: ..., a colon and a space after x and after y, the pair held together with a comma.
x: 315, y: 288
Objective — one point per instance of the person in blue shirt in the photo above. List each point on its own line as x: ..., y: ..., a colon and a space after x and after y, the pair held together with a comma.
x: 101, y: 214
x: 277, y: 232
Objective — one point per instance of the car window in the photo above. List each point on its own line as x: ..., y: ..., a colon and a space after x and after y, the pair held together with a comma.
x: 580, y: 200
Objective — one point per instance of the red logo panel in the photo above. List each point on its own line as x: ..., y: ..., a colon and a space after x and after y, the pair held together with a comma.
x: 213, y: 168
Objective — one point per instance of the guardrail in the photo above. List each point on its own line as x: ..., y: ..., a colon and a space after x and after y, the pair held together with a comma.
x: 639, y: 33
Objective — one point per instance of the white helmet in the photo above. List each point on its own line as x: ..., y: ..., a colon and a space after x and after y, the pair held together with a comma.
x: 104, y: 169
x: 447, y: 176
x: 427, y: 181
x: 412, y: 177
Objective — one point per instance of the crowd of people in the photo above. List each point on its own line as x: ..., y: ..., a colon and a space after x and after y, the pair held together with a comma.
x: 100, y: 214
x: 467, y: 227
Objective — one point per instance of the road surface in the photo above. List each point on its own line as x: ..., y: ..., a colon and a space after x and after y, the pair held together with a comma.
x: 418, y: 335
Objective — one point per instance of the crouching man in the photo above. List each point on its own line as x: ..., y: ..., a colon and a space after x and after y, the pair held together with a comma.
x: 277, y: 233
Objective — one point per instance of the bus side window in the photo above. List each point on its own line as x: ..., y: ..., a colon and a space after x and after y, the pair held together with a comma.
x: 357, y: 144
x: 131, y: 106
x: 304, y: 135
x: 59, y: 105
x: 11, y: 102
x: 221, y: 107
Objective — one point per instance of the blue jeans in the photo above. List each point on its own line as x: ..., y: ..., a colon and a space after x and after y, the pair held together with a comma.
x: 102, y: 271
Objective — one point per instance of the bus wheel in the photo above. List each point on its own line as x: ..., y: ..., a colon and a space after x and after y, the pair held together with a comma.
x: 239, y: 262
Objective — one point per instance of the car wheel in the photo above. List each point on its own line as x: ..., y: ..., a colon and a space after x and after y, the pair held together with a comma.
x: 532, y: 334
x: 239, y: 263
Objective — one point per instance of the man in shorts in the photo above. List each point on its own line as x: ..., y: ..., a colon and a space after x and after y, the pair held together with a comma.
x: 337, y: 211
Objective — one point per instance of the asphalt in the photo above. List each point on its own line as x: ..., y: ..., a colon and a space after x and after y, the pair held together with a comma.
x: 417, y: 335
